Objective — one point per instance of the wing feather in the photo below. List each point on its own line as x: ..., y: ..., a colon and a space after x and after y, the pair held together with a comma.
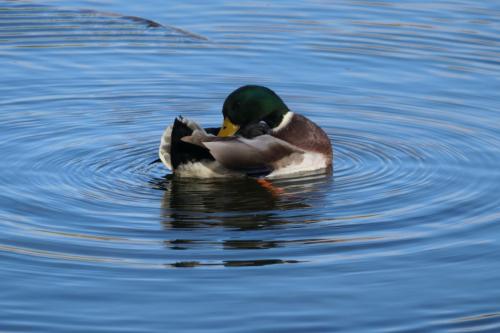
x: 243, y: 154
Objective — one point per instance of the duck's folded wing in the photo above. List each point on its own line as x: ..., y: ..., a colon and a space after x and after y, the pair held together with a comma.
x: 238, y: 153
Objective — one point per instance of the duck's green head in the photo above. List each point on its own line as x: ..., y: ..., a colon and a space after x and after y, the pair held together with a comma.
x: 249, y: 105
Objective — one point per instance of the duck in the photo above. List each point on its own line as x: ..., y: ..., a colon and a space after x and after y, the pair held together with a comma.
x: 259, y: 137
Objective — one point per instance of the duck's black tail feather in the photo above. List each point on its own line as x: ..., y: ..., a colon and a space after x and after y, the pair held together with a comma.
x: 182, y: 152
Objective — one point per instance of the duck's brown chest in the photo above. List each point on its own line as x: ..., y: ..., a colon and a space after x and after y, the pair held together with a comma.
x: 306, y: 135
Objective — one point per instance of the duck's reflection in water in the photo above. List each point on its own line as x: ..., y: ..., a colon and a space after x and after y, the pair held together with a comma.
x: 237, y: 205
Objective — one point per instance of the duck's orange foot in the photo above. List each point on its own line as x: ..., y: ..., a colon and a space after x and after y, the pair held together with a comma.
x: 270, y: 187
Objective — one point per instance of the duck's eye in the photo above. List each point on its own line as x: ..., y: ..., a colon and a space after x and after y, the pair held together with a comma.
x: 236, y: 105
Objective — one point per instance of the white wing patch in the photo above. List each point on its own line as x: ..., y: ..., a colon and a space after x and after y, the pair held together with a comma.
x: 212, y: 169
x: 309, y: 163
x: 164, y: 151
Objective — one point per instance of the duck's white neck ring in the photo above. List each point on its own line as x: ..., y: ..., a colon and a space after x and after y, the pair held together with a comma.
x: 287, y: 118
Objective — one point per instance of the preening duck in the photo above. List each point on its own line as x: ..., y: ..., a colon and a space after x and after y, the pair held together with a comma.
x: 259, y: 137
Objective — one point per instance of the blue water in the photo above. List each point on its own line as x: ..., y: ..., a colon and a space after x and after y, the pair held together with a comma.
x: 404, y: 236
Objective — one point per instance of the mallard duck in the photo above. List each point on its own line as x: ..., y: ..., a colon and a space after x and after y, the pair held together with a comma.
x: 259, y: 137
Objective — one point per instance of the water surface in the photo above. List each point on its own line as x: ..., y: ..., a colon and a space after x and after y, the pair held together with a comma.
x: 402, y: 237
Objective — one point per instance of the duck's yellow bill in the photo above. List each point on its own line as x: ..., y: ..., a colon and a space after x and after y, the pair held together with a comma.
x: 228, y: 128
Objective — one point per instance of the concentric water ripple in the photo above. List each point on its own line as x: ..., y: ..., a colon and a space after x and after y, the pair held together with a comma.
x: 407, y: 222
x: 113, y: 180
